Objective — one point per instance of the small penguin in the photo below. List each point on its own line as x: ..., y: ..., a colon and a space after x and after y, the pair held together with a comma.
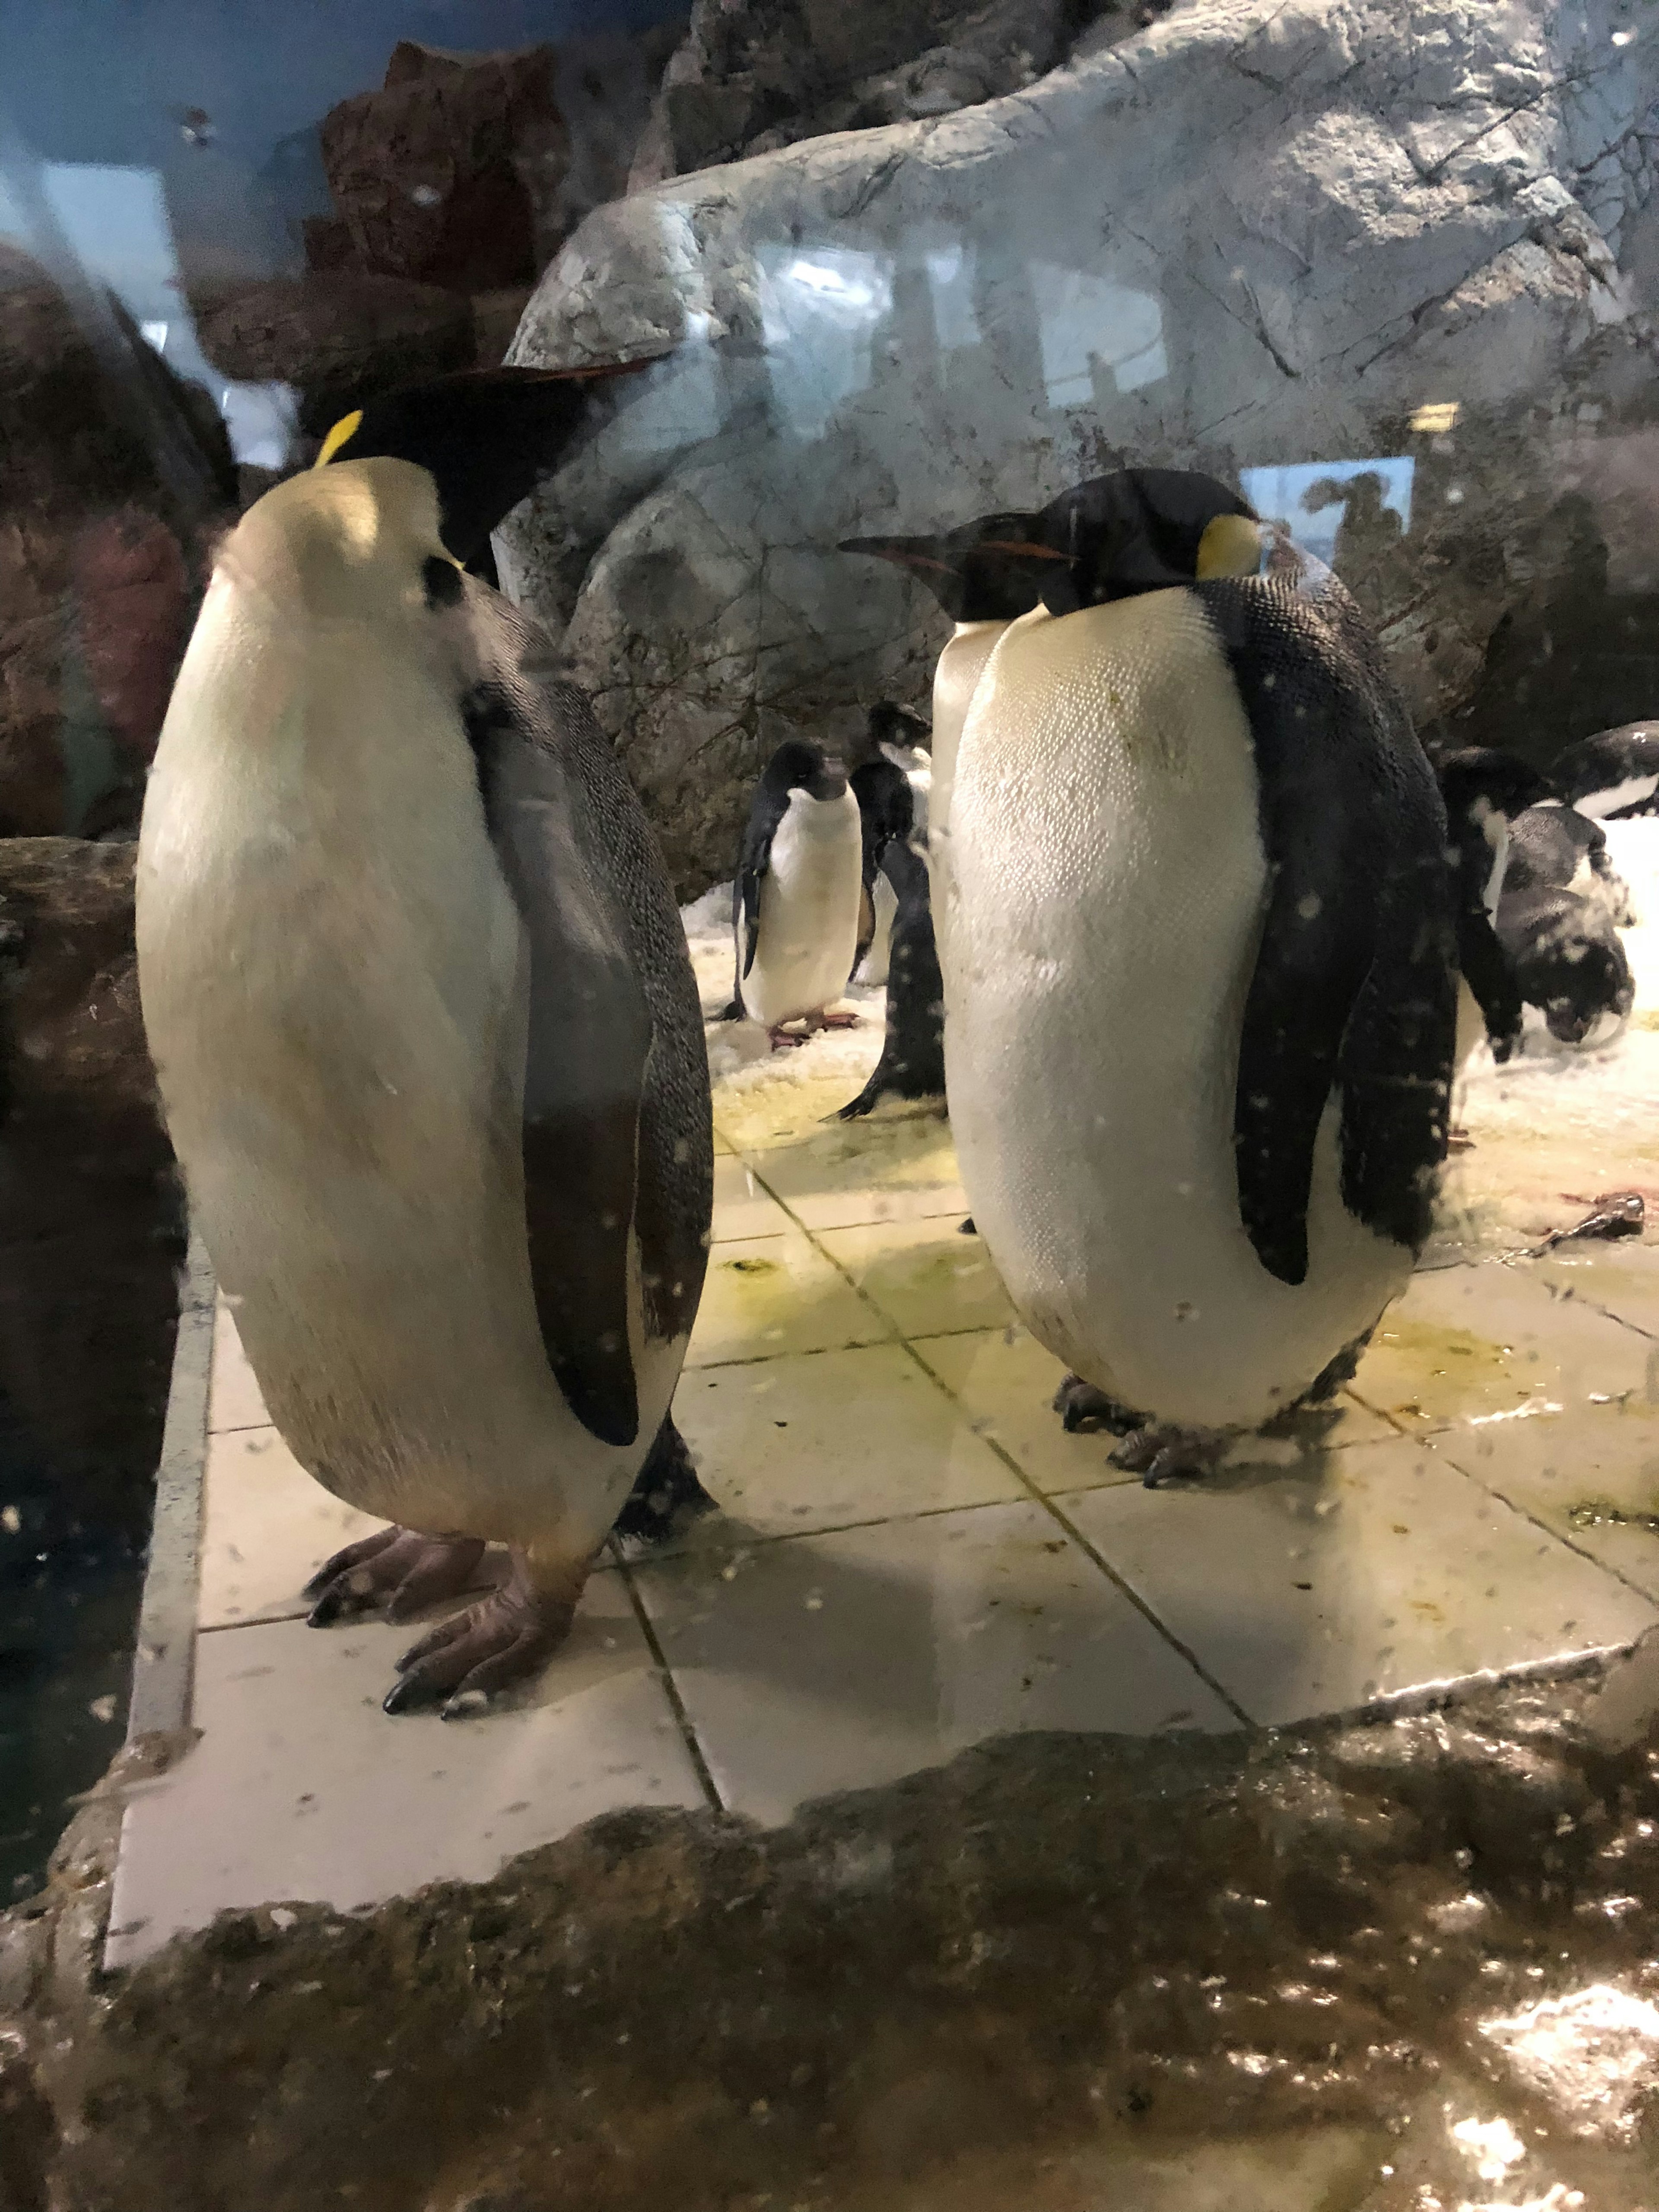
x: 1484, y: 788
x: 1612, y: 775
x: 1568, y: 961
x: 1201, y: 1009
x: 912, y: 1063
x: 426, y: 1031
x: 1554, y: 848
x: 795, y: 899
x: 882, y: 788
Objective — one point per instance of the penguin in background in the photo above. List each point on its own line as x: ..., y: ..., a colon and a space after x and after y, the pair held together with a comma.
x: 1484, y: 789
x: 912, y: 1063
x: 427, y: 1033
x: 1568, y: 961
x: 1613, y: 776
x: 881, y: 785
x: 1554, y: 848
x: 796, y: 895
x: 1202, y: 1010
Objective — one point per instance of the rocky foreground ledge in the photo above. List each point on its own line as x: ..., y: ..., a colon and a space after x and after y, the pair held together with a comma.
x: 1062, y: 1964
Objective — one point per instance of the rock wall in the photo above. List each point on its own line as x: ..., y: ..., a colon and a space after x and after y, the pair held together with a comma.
x: 1255, y: 234
x: 92, y: 1231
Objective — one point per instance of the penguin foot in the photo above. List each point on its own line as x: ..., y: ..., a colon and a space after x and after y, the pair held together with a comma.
x: 1081, y: 1407
x: 782, y: 1036
x: 1160, y: 1453
x: 398, y: 1567
x: 822, y: 1021
x: 510, y: 1634
x: 667, y: 1493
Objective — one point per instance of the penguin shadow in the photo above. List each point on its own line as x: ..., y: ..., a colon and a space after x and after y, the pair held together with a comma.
x: 937, y: 1631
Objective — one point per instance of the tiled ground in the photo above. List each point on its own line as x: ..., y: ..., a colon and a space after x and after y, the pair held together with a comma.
x: 912, y: 1556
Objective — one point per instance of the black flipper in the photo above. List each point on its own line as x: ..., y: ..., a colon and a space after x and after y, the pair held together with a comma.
x: 589, y: 1038
x: 765, y: 818
x: 1354, y: 986
x: 912, y: 1063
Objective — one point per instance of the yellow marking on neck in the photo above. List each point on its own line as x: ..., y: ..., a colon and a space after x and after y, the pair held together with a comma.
x: 345, y: 429
x: 1231, y: 546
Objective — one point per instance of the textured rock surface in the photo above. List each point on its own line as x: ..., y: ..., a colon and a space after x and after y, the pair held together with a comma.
x: 1256, y: 234
x: 91, y: 1217
x: 96, y: 568
x: 755, y: 76
x: 1062, y: 1973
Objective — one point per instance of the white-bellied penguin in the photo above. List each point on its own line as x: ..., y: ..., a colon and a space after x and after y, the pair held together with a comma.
x: 1613, y: 776
x: 896, y: 740
x: 912, y: 1063
x: 1201, y: 1005
x: 425, y: 1029
x: 796, y: 896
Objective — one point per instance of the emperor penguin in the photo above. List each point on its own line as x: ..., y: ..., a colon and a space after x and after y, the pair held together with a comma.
x: 427, y: 1033
x: 1201, y: 1010
x: 1484, y: 789
x: 1612, y: 775
x: 796, y: 896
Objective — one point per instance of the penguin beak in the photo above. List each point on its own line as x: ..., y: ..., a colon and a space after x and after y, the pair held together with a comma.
x: 928, y: 557
x: 486, y: 437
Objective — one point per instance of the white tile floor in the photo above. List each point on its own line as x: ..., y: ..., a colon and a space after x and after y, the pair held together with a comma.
x: 912, y: 1556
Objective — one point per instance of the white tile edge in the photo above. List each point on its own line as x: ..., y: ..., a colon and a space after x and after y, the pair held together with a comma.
x: 162, y: 1665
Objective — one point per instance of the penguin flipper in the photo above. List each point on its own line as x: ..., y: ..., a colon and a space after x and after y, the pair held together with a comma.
x: 589, y: 1038
x: 765, y: 819
x: 1352, y: 987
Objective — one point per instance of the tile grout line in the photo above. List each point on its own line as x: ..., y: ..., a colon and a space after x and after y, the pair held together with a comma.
x: 1525, y: 1513
x: 1009, y: 1462
x: 683, y: 1720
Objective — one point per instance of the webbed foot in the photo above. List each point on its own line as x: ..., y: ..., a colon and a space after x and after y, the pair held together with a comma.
x: 507, y: 1636
x: 667, y: 1493
x: 1081, y: 1407
x: 397, y: 1566
x: 1160, y: 1453
x: 780, y: 1036
x: 822, y: 1021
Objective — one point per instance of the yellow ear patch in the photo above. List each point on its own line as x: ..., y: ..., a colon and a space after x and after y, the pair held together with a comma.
x: 345, y: 429
x: 1231, y: 546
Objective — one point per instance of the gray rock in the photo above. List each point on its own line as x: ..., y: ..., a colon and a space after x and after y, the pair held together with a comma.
x: 1256, y: 234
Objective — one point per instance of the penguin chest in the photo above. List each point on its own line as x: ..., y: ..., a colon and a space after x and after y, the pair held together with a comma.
x: 809, y: 910
x: 1109, y: 890
x: 883, y: 902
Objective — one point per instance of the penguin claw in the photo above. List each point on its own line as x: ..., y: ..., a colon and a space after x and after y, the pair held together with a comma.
x: 1081, y: 1407
x: 464, y: 1661
x: 1160, y: 1455
x: 398, y: 1567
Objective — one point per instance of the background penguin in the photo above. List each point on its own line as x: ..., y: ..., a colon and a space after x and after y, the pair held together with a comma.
x: 1568, y: 962
x: 1201, y: 1010
x: 881, y: 785
x: 426, y: 1029
x: 912, y: 1063
x: 1484, y: 788
x: 1554, y: 848
x: 795, y: 899
x: 1612, y: 775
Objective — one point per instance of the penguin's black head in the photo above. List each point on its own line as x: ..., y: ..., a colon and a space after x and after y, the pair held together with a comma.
x: 799, y: 765
x: 886, y: 802
x: 1144, y: 530
x: 990, y: 570
x: 1477, y: 781
x: 890, y: 724
x: 485, y: 437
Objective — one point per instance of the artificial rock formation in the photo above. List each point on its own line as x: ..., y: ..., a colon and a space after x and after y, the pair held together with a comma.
x: 91, y: 1214
x: 1256, y: 234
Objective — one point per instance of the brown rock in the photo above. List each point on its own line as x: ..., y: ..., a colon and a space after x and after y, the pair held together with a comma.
x: 135, y: 601
x: 335, y: 337
x: 438, y: 175
x: 91, y: 1214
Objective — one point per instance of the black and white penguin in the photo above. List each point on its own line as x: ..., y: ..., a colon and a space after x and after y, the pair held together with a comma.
x: 1202, y: 1008
x: 1484, y: 789
x: 1612, y: 775
x: 1552, y: 847
x: 881, y: 785
x: 912, y: 1063
x: 796, y: 896
x: 1568, y: 961
x: 426, y: 1031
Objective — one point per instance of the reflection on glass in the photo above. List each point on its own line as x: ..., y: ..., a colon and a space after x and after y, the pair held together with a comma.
x: 1089, y: 322
x: 819, y: 308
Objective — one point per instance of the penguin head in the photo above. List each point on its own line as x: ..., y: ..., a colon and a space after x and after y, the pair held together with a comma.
x: 1145, y: 530
x: 989, y: 570
x: 1477, y: 782
x: 801, y: 765
x: 484, y: 437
